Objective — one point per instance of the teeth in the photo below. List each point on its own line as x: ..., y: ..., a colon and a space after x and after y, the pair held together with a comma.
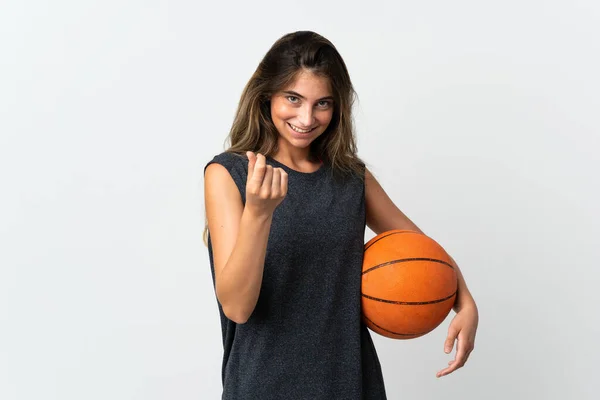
x: 300, y: 130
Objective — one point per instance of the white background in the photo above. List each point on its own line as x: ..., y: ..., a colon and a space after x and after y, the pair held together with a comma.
x: 479, y: 118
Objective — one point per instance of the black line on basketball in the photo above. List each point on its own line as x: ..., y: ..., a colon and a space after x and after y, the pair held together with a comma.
x: 385, y: 264
x: 409, y: 303
x: 389, y: 234
x: 392, y: 332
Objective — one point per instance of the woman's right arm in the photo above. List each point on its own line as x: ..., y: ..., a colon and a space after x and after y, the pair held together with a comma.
x: 239, y: 233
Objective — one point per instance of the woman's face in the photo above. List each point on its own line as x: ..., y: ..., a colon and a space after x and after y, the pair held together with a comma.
x: 302, y: 111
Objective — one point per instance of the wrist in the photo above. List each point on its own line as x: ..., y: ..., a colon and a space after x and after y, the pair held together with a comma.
x: 464, y: 301
x: 256, y: 216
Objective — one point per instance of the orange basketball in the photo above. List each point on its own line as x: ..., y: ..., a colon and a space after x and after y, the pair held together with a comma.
x: 409, y: 284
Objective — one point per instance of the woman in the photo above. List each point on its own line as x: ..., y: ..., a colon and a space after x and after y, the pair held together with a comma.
x: 286, y: 207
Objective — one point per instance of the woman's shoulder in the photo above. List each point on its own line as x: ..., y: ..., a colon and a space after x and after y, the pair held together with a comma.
x: 230, y: 157
x: 229, y: 160
x: 235, y: 164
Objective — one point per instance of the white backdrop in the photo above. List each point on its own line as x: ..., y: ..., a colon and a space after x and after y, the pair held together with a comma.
x: 479, y: 118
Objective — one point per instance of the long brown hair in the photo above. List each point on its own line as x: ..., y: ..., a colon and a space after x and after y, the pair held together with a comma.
x: 253, y: 129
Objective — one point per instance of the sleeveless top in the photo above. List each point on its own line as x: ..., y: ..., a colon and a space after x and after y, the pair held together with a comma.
x: 305, y: 339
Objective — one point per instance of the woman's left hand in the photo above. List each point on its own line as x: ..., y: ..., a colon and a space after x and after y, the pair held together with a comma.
x: 462, y: 328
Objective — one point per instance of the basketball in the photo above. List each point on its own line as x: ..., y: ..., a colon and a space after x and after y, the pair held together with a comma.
x: 409, y: 284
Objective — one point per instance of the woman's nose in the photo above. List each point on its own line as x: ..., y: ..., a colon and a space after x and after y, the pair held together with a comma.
x: 306, y: 117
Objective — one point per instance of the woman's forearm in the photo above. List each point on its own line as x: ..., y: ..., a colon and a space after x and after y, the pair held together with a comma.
x: 463, y: 297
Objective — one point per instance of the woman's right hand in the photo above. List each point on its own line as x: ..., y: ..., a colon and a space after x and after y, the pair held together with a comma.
x: 266, y: 186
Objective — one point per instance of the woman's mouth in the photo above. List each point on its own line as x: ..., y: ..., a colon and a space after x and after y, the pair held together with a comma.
x: 299, y: 130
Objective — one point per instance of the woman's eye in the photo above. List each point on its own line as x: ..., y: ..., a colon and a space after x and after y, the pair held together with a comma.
x: 324, y: 103
x: 292, y: 99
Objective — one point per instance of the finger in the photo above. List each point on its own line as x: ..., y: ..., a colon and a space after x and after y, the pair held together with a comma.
x: 452, y: 366
x: 448, y: 369
x: 459, y: 361
x: 260, y: 169
x: 251, y: 161
x: 276, y: 183
x: 265, y: 189
x: 449, y: 343
x: 284, y: 183
x: 468, y: 353
x: 464, y: 348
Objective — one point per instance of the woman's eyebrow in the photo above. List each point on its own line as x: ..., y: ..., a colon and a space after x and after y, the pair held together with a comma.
x: 291, y: 92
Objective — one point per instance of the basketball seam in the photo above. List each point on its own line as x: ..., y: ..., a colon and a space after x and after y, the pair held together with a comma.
x: 401, y: 260
x: 395, y: 333
x: 389, y: 234
x: 409, y: 303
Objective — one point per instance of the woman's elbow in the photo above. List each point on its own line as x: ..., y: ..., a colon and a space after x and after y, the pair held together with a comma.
x: 235, y: 314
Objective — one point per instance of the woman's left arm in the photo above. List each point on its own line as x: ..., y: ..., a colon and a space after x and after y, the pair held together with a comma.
x: 383, y: 215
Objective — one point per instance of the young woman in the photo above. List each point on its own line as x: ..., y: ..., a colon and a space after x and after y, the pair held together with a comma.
x: 287, y: 205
